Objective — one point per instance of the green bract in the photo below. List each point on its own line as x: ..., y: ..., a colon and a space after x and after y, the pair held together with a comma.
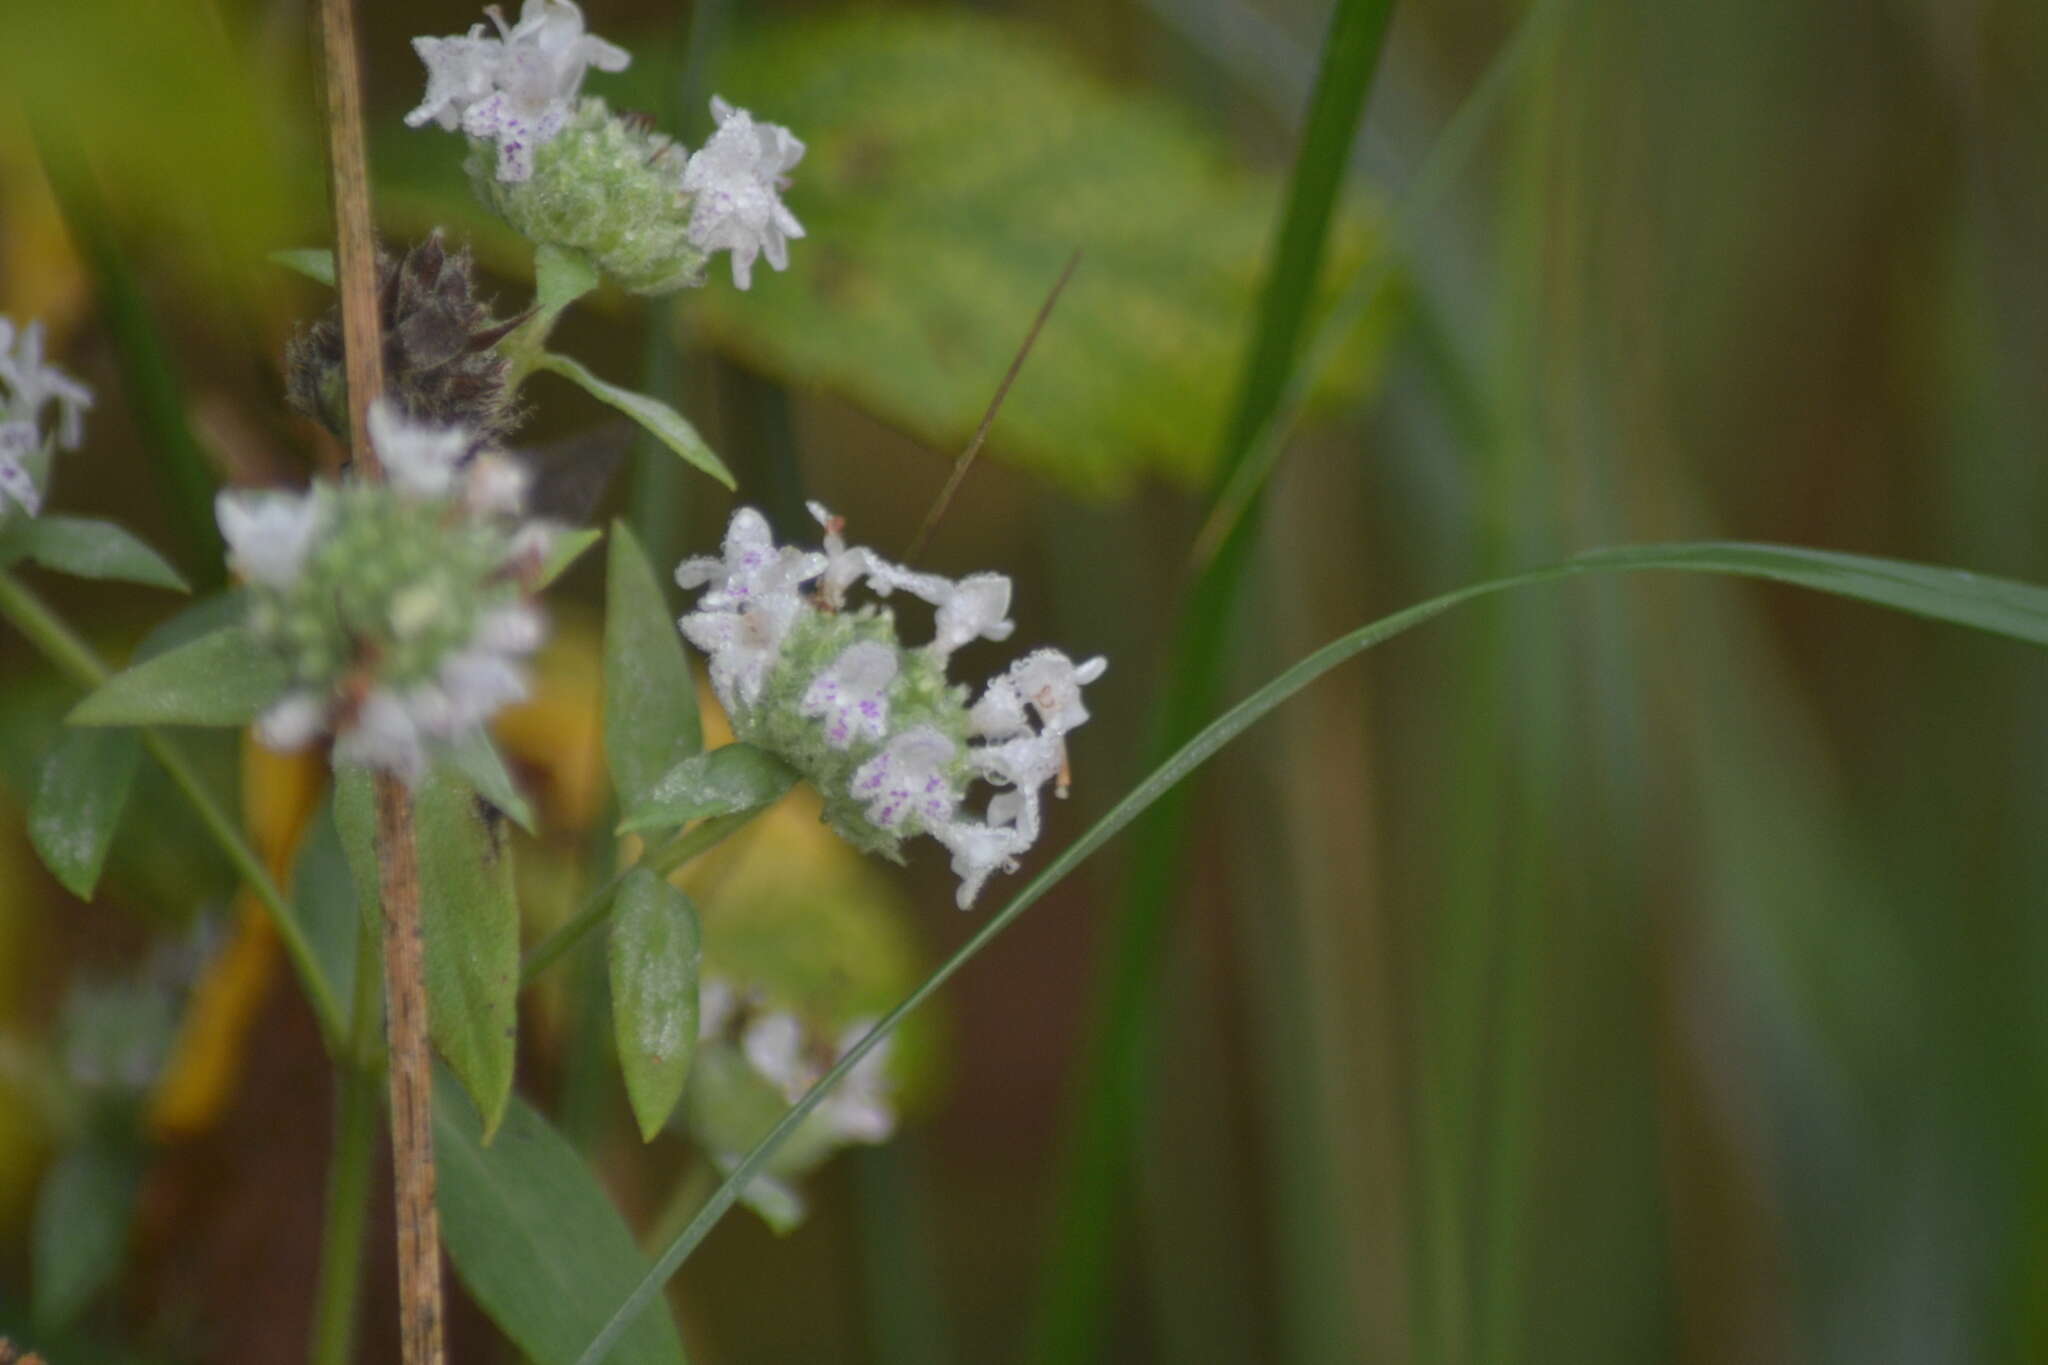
x: 608, y: 189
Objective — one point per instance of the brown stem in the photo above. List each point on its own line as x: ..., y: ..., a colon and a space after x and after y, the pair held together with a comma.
x: 405, y: 991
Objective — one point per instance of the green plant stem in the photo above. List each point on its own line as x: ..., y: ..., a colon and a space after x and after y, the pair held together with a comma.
x: 49, y: 633
x: 1076, y: 1268
x: 348, y: 1174
x: 597, y: 907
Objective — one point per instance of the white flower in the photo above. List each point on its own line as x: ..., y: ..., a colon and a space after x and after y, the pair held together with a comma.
x: 975, y: 608
x: 978, y: 850
x: 1045, y: 680
x: 292, y: 722
x: 269, y: 533
x: 495, y: 485
x: 478, y: 683
x: 844, y: 564
x: 518, y: 88
x: 743, y: 646
x: 716, y: 1004
x: 753, y: 568
x: 852, y: 695
x: 17, y: 439
x: 383, y: 734
x: 34, y: 384
x: 908, y: 780
x: 858, y: 1110
x: 417, y: 459
x: 736, y: 177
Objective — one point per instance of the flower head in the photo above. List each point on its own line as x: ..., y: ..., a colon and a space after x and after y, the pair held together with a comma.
x: 397, y: 607
x: 27, y: 387
x: 889, y: 741
x: 517, y: 89
x: 737, y: 178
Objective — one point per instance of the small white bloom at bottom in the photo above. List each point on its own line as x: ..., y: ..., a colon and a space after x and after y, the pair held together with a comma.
x: 976, y: 608
x: 979, y: 850
x: 292, y: 722
x: 418, y: 459
x: 383, y: 736
x: 479, y: 682
x: 858, y: 1109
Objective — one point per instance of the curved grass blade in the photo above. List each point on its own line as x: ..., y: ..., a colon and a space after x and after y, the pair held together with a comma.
x: 1075, y: 1271
x: 2001, y: 606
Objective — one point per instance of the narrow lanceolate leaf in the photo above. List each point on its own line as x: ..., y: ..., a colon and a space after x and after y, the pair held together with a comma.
x: 667, y: 425
x: 566, y: 550
x: 535, y: 1240
x: 314, y: 262
x: 82, y: 1218
x: 225, y: 678
x: 734, y: 778
x: 650, y: 704
x: 479, y: 761
x: 470, y: 916
x: 2003, y: 606
x: 324, y: 890
x: 654, y: 949
x: 85, y: 548
x: 80, y: 792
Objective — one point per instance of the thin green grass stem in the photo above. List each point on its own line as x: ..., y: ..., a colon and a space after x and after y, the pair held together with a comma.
x: 2016, y: 610
x: 1076, y: 1268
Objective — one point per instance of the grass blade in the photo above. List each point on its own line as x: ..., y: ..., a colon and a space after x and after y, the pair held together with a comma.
x: 2001, y: 606
x: 1077, y: 1263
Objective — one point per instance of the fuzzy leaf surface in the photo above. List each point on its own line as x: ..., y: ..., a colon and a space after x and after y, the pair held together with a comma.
x: 223, y: 678
x: 480, y: 763
x: 86, y: 548
x: 469, y: 913
x: 654, y: 949
x: 650, y: 703
x: 81, y: 790
x: 534, y: 1237
x: 735, y: 777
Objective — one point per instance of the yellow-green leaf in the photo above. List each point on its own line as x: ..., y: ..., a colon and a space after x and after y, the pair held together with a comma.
x: 650, y: 703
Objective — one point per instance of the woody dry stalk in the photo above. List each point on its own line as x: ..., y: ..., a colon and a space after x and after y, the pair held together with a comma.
x: 412, y: 1137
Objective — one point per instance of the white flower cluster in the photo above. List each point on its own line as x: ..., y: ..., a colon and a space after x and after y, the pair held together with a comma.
x: 27, y: 387
x: 396, y: 606
x: 519, y: 89
x: 777, y: 1048
x: 516, y: 89
x: 888, y: 741
x: 736, y: 180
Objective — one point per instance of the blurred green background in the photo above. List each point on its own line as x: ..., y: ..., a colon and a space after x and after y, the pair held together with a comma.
x: 1630, y: 971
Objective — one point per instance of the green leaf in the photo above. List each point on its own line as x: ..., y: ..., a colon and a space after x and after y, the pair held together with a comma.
x: 667, y: 425
x: 954, y: 163
x: 469, y: 913
x: 654, y: 948
x: 734, y: 778
x: 83, y: 1214
x: 560, y: 277
x: 534, y: 1238
x: 650, y: 703
x: 225, y: 678
x: 565, y: 551
x: 85, y: 548
x: 479, y: 761
x: 81, y: 791
x: 324, y: 886
x: 2002, y: 606
x: 314, y: 262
